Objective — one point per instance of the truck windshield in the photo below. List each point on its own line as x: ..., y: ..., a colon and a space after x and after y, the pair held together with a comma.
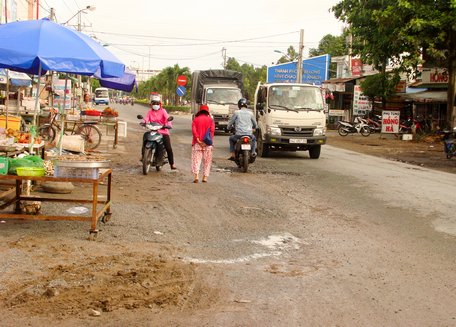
x: 99, y: 93
x: 295, y: 97
x: 223, y: 95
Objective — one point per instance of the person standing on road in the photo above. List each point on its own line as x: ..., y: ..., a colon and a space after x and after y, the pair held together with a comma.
x: 244, y: 124
x: 157, y: 114
x: 200, y: 150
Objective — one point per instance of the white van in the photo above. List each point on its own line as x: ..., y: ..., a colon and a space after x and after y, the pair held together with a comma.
x: 101, y: 96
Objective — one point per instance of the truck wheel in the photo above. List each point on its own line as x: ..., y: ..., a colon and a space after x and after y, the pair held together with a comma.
x: 314, y: 152
x: 262, y: 149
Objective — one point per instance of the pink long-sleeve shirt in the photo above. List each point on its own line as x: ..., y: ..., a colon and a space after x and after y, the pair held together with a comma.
x: 200, y: 125
x: 158, y: 116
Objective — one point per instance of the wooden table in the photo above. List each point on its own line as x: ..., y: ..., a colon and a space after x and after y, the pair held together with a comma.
x: 104, y: 213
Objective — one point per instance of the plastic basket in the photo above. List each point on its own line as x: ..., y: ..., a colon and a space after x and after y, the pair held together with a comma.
x: 4, y: 165
x: 30, y: 171
x: 91, y: 113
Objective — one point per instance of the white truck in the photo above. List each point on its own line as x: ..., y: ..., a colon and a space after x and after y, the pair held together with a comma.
x: 220, y: 90
x: 290, y: 117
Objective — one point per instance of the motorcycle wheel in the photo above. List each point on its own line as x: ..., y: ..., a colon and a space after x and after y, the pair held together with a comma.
x: 47, y: 132
x: 146, y: 160
x: 365, y: 131
x: 245, y: 161
x: 342, y: 131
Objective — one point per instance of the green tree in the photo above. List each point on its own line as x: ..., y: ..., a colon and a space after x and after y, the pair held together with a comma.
x: 330, y: 44
x: 164, y: 83
x: 251, y: 75
x: 400, y: 32
x: 334, y: 46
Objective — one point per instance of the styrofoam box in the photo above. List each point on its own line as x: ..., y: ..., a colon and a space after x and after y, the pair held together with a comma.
x: 122, y: 129
x: 407, y: 137
x: 72, y: 172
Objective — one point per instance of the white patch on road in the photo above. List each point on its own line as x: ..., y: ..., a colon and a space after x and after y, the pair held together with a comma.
x: 276, y: 243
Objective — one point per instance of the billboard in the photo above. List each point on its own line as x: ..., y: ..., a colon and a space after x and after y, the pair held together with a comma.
x: 315, y: 70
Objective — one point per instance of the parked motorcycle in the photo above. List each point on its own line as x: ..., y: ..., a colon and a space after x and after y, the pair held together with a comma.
x: 449, y: 143
x: 358, y: 126
x: 243, y: 153
x: 375, y: 123
x: 153, y: 149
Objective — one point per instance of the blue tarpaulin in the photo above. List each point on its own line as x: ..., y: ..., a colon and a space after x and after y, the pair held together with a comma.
x: 16, y: 79
x: 124, y: 83
x: 27, y: 46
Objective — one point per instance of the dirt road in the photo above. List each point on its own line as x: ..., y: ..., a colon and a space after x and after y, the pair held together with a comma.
x: 274, y: 247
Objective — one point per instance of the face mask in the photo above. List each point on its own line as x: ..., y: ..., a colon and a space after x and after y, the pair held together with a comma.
x: 156, y: 107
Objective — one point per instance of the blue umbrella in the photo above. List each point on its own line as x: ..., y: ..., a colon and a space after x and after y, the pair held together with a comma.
x: 124, y: 83
x: 35, y: 46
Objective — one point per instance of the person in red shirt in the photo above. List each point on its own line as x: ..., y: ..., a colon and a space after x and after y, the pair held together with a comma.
x: 200, y: 150
x: 159, y: 115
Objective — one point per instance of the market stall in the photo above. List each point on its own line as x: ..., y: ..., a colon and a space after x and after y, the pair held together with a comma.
x: 76, y: 170
x: 36, y: 47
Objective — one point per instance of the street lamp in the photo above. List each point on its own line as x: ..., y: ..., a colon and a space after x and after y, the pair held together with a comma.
x: 287, y: 56
x: 81, y: 11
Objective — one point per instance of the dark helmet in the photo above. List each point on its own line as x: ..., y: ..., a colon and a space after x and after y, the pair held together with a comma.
x: 242, y: 103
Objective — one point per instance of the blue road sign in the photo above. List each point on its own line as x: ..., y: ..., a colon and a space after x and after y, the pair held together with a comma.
x: 315, y: 70
x: 181, y: 90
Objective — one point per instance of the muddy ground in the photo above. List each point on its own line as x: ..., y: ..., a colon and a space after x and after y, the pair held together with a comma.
x: 135, y: 272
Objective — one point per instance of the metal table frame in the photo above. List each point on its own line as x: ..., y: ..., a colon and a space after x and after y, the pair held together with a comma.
x: 104, y: 213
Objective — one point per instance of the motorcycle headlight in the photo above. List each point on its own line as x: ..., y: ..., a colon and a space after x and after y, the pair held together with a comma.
x: 320, y: 131
x: 273, y: 130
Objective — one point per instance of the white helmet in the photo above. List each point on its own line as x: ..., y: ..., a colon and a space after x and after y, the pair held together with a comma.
x: 155, y: 98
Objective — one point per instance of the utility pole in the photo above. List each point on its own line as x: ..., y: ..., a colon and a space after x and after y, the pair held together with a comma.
x: 224, y: 57
x: 299, y: 63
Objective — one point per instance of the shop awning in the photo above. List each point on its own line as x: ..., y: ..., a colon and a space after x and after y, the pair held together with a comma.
x: 16, y: 78
x: 425, y: 96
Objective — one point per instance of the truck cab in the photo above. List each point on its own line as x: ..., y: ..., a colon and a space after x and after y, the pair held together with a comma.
x: 290, y: 117
x: 222, y: 101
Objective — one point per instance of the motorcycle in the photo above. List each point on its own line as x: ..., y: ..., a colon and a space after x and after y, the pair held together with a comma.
x: 449, y: 143
x: 243, y: 153
x: 375, y: 123
x: 153, y: 149
x: 358, y: 126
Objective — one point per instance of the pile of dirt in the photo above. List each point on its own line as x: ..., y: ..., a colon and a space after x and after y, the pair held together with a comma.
x: 106, y: 284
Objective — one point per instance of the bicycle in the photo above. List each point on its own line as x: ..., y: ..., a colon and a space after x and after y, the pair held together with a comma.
x: 87, y: 129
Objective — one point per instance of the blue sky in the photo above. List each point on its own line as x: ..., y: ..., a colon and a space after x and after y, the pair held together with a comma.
x: 152, y: 34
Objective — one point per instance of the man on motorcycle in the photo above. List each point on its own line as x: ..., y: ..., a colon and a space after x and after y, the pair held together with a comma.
x: 244, y: 123
x: 159, y: 115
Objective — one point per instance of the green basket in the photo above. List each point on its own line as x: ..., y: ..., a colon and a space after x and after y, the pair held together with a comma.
x: 4, y: 165
x: 30, y: 171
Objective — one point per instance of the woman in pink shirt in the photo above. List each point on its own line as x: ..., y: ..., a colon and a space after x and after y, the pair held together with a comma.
x: 159, y: 115
x: 200, y: 150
